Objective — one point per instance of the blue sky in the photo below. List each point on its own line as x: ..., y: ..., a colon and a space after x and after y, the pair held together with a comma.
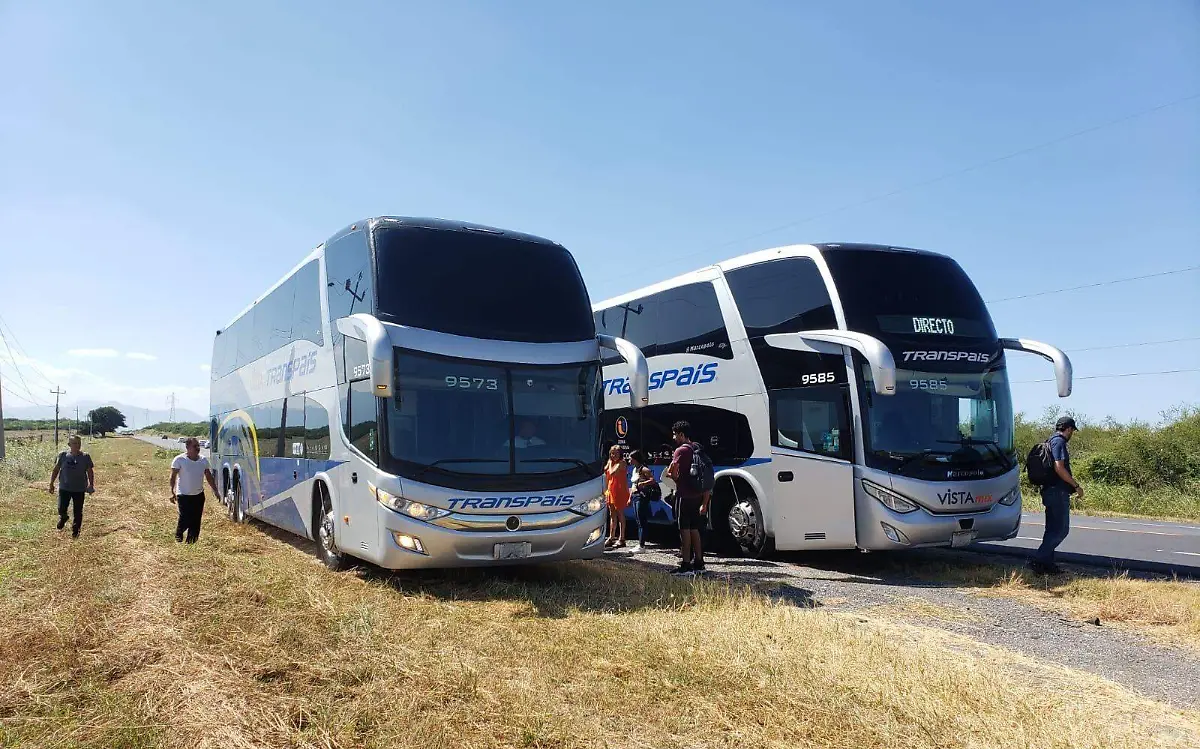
x: 161, y: 164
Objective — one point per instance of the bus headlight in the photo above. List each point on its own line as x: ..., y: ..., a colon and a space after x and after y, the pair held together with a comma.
x: 590, y: 507
x: 414, y: 510
x: 1008, y: 500
x: 888, y: 498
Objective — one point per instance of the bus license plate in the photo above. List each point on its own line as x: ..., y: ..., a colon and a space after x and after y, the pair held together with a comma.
x: 519, y: 550
x: 961, y: 539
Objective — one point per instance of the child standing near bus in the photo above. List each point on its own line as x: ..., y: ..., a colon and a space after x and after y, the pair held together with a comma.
x: 645, y: 491
x: 616, y: 494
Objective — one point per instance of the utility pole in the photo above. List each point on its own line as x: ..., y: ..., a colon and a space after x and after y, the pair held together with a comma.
x: 76, y: 429
x: 171, y: 402
x: 56, y: 392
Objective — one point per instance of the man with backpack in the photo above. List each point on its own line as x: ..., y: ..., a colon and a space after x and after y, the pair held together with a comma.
x: 1049, y: 466
x: 691, y: 470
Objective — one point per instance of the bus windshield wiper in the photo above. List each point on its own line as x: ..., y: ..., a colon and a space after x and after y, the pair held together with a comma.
x: 585, y: 466
x: 908, y: 459
x: 992, y: 445
x: 443, y: 461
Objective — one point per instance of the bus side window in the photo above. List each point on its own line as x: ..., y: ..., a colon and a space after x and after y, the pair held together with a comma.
x: 316, y: 430
x: 811, y: 419
x: 362, y: 417
x: 349, y: 287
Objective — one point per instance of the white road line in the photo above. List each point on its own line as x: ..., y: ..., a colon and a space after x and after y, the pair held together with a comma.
x: 1111, y: 530
x: 1152, y: 525
x: 1027, y: 538
x: 1189, y: 553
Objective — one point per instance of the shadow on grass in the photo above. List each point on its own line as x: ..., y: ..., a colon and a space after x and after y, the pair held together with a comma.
x: 558, y: 590
x: 631, y: 583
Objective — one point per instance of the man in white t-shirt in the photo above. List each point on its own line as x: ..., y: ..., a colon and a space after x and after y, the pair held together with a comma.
x: 188, y: 474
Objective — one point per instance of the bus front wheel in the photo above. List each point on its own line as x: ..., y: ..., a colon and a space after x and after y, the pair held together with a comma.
x: 746, y: 527
x: 326, y: 523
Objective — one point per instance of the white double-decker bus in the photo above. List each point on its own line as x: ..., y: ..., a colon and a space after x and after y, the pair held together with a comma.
x: 849, y: 395
x: 419, y: 393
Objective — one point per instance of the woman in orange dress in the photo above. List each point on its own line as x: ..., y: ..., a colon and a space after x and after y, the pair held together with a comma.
x: 616, y: 493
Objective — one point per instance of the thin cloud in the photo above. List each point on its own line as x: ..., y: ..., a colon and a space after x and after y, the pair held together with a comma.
x: 205, y: 368
x: 100, y: 353
x: 140, y: 356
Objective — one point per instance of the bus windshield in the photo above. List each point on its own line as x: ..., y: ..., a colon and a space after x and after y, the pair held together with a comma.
x: 457, y: 422
x: 480, y: 285
x: 940, y: 425
x: 915, y: 295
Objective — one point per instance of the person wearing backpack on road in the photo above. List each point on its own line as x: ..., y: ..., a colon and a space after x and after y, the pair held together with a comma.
x: 692, y: 499
x: 1057, y: 485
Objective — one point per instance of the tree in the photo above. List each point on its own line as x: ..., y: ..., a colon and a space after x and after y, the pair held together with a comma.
x: 106, y: 419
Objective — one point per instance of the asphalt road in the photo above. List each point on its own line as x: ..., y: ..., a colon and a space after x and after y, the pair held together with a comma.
x: 1148, y: 545
x: 172, y: 443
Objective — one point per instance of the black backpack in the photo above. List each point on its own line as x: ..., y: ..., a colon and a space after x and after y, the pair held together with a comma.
x: 1039, y: 464
x: 702, y: 473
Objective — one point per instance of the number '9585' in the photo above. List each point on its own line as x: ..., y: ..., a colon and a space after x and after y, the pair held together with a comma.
x: 934, y: 384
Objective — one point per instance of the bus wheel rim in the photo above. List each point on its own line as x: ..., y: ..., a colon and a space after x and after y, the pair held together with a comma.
x: 327, y: 533
x: 743, y: 521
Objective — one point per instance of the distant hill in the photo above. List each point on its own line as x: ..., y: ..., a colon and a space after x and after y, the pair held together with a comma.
x: 135, y: 416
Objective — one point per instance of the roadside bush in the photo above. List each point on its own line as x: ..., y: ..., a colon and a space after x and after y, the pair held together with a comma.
x: 1133, y: 468
x: 26, y: 461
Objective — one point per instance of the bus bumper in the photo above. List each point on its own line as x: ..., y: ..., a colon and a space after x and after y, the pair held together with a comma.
x: 880, y: 528
x: 409, y: 544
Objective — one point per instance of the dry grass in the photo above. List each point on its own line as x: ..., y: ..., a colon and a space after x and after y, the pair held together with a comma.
x: 1168, y: 610
x: 125, y: 639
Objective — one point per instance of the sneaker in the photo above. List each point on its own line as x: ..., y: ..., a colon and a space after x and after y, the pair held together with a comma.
x: 1042, y: 568
x: 74, y: 533
x: 681, y: 570
x: 700, y: 569
x: 61, y: 522
x: 179, y: 539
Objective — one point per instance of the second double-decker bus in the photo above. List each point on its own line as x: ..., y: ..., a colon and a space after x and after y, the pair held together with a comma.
x: 420, y: 393
x: 849, y: 395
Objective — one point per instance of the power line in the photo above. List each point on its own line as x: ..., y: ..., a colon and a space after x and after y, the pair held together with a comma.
x: 13, y: 359
x: 1131, y: 345
x: 1108, y: 376
x: 944, y: 176
x: 20, y: 397
x: 17, y: 343
x: 1096, y: 285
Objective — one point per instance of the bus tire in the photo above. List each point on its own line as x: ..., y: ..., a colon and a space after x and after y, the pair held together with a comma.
x: 234, y: 507
x: 744, y: 519
x: 324, y: 524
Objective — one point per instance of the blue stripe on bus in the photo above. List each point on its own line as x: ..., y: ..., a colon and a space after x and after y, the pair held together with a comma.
x: 279, y: 476
x: 284, y: 514
x: 660, y: 511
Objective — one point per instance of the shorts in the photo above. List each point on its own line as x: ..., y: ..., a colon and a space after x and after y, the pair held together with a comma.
x: 688, y: 514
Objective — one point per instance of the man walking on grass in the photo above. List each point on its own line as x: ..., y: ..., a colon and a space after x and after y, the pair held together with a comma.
x: 74, y: 472
x: 1056, y: 496
x: 189, y: 471
x: 691, y: 502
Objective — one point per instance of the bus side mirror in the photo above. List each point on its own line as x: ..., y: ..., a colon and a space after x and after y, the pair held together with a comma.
x: 639, y: 382
x: 878, y: 356
x: 1064, y: 374
x: 364, y: 327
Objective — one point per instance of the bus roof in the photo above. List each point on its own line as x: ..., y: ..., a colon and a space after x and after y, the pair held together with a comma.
x: 428, y: 223
x: 440, y: 224
x: 753, y: 258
